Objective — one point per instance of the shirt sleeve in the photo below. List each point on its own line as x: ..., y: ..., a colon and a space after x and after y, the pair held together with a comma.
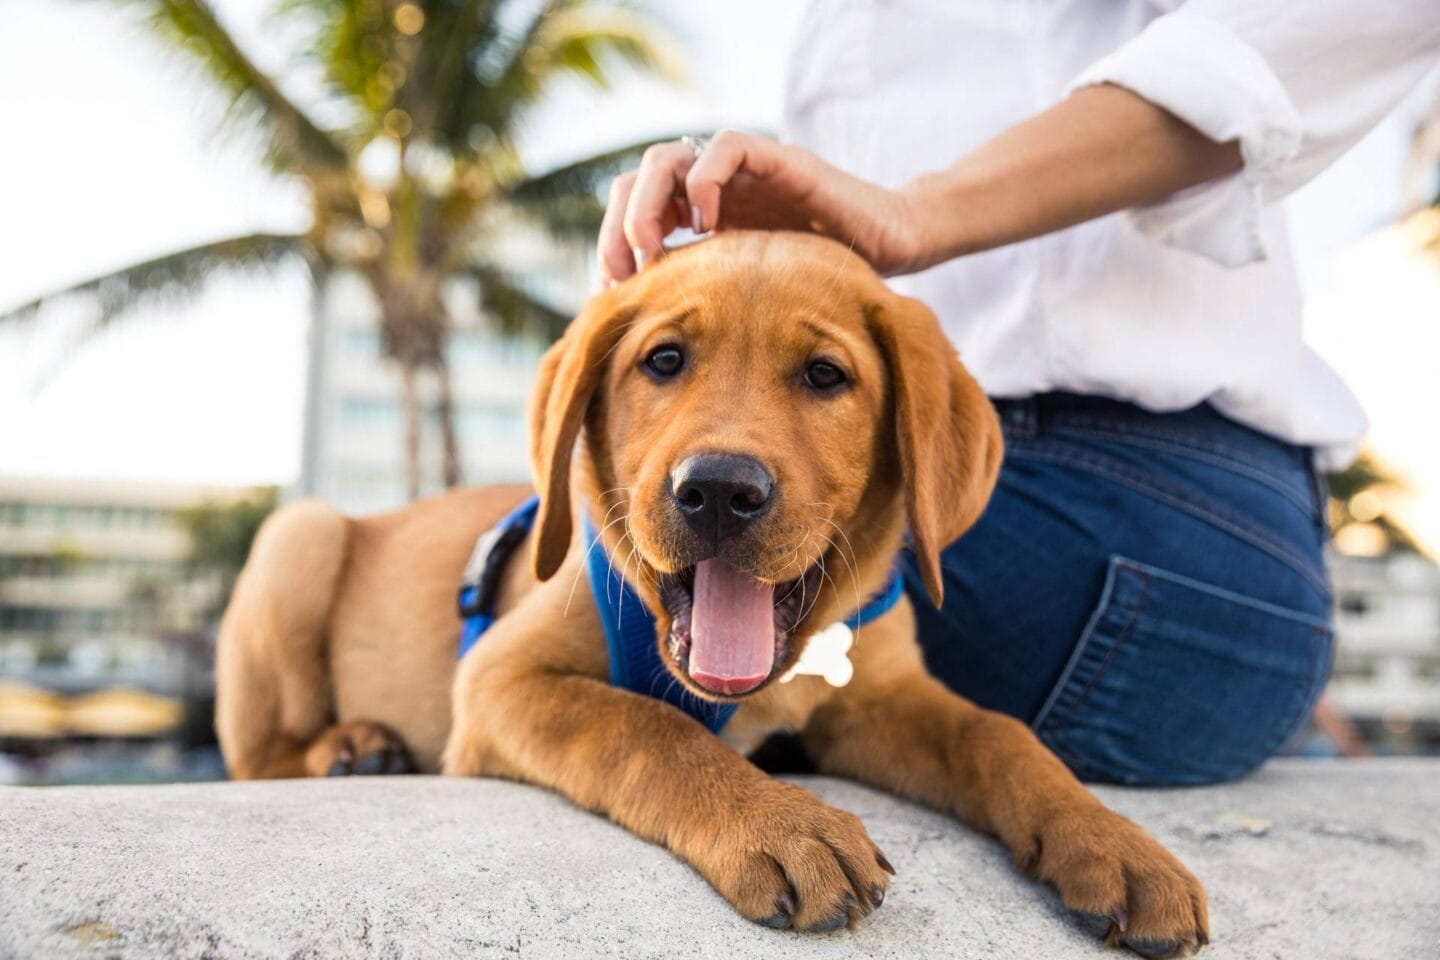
x: 1296, y: 83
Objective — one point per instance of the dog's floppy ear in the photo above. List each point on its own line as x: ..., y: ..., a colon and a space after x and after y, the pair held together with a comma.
x: 569, y: 373
x: 945, y: 428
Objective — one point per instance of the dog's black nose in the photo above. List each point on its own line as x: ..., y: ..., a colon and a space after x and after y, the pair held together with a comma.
x: 720, y: 494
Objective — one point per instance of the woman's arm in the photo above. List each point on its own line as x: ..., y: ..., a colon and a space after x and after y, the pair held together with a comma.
x: 1276, y: 87
x: 1100, y: 150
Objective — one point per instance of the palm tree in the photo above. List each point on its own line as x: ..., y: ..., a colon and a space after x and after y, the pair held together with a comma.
x: 434, y: 92
x: 1358, y: 496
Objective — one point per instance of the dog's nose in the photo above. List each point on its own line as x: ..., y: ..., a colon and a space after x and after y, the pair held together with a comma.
x: 720, y: 494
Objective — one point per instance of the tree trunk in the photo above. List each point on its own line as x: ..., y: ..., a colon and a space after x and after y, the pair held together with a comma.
x: 446, y: 403
x: 410, y: 401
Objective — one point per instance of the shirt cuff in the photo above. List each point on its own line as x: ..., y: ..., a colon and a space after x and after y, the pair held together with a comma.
x: 1199, y: 70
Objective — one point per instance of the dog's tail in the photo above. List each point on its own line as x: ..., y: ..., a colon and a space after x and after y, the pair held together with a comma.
x: 273, y: 691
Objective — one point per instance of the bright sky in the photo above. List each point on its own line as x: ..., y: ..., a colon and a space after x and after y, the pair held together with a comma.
x: 111, y: 154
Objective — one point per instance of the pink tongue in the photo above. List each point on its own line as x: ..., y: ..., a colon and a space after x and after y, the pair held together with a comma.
x: 732, y: 629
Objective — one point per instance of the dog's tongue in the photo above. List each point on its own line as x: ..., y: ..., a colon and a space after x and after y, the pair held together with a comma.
x: 732, y: 629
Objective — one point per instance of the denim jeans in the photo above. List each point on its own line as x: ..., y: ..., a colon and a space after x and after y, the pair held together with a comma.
x: 1145, y: 590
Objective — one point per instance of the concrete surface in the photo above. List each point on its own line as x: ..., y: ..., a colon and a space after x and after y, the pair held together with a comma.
x: 1312, y: 861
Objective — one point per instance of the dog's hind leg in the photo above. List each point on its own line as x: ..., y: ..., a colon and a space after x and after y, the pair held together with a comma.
x: 274, y: 697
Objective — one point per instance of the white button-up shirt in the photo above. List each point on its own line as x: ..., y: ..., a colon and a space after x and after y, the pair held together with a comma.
x: 1168, y: 306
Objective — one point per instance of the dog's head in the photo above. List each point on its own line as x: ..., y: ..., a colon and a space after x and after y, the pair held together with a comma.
x: 762, y: 417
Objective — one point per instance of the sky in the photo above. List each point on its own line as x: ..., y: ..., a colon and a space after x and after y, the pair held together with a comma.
x: 109, y: 153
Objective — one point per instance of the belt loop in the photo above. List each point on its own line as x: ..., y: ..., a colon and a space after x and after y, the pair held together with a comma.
x: 1019, y: 418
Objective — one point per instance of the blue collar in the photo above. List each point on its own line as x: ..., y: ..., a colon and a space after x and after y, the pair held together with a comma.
x: 635, y: 660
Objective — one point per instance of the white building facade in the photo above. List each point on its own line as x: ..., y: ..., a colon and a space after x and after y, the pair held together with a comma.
x: 354, y: 450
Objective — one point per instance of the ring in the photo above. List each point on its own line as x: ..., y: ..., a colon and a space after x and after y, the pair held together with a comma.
x: 697, y: 145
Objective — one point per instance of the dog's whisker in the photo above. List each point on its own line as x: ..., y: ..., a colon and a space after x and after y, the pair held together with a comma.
x: 585, y: 561
x: 850, y: 561
x: 575, y: 582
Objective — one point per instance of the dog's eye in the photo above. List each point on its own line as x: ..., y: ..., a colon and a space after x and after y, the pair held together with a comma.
x: 823, y: 376
x: 665, y: 362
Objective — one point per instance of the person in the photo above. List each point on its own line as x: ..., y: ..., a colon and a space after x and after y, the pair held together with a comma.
x: 1086, y: 193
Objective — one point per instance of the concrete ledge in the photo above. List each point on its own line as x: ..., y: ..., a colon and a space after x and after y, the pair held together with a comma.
x: 1302, y: 860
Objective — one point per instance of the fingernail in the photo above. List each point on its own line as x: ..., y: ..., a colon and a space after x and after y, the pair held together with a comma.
x: 640, y: 257
x: 612, y: 283
x: 695, y: 223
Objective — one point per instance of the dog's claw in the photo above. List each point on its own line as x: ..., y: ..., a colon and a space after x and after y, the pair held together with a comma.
x: 779, y: 920
x: 1121, y: 918
x: 830, y: 923
x: 884, y: 864
x: 1157, y: 949
x: 342, y: 765
x: 849, y: 902
x: 371, y: 764
x: 877, y: 895
x: 785, y: 903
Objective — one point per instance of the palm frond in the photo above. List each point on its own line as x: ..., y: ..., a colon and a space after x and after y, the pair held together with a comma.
x: 584, y: 177
x: 191, y: 27
x: 515, y: 310
x: 580, y: 38
x: 168, y: 278
x: 564, y: 37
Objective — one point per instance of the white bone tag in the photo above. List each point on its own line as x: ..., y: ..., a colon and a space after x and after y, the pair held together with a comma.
x: 826, y: 655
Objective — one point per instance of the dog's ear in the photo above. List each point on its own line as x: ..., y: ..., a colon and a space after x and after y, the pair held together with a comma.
x: 946, y: 430
x: 569, y: 373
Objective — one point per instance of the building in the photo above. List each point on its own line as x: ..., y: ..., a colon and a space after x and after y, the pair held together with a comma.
x: 354, y: 450
x: 95, y: 590
x: 1387, y: 660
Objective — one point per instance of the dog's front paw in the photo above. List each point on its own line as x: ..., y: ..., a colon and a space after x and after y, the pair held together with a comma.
x: 791, y: 861
x: 1121, y: 881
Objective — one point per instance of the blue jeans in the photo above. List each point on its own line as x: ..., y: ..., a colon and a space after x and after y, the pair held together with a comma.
x: 1145, y: 590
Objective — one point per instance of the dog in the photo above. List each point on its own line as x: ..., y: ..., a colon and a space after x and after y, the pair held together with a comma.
x: 753, y: 423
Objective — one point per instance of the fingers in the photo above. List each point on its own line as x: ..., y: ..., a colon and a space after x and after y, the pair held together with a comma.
x: 673, y: 188
x: 650, y: 214
x: 616, y: 260
x: 644, y: 207
x: 728, y: 153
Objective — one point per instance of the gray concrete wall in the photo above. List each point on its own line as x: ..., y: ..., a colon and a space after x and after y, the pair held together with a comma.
x: 1313, y: 861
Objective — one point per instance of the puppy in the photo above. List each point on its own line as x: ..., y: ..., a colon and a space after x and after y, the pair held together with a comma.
x: 752, y: 424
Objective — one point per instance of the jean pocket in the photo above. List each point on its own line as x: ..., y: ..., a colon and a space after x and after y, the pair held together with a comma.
x: 1175, y: 681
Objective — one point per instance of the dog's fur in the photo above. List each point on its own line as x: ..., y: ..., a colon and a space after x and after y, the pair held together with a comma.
x: 337, y: 654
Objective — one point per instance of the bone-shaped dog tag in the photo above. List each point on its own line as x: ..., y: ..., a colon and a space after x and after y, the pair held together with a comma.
x: 826, y: 655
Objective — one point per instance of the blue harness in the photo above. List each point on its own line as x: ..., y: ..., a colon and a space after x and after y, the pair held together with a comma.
x: 635, y: 660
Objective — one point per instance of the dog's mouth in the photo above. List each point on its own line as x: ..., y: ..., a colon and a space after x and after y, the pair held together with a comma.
x: 730, y: 631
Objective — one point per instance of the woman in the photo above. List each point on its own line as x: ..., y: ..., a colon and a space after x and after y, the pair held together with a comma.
x: 1085, y: 193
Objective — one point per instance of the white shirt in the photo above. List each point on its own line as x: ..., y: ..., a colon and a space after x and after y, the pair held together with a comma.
x: 1190, y: 300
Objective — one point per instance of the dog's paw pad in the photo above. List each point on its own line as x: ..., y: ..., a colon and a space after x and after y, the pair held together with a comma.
x: 358, y: 748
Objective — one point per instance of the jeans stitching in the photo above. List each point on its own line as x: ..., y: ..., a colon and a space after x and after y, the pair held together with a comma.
x: 1054, y: 734
x: 1230, y: 596
x: 1300, y: 497
x: 1120, y: 638
x: 1156, y: 488
x: 1317, y: 680
x: 1110, y: 426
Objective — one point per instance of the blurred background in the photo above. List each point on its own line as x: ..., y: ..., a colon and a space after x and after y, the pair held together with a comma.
x: 261, y: 249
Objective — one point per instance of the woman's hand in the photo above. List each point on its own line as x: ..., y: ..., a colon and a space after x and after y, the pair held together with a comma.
x: 741, y: 180
x: 1099, y: 150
